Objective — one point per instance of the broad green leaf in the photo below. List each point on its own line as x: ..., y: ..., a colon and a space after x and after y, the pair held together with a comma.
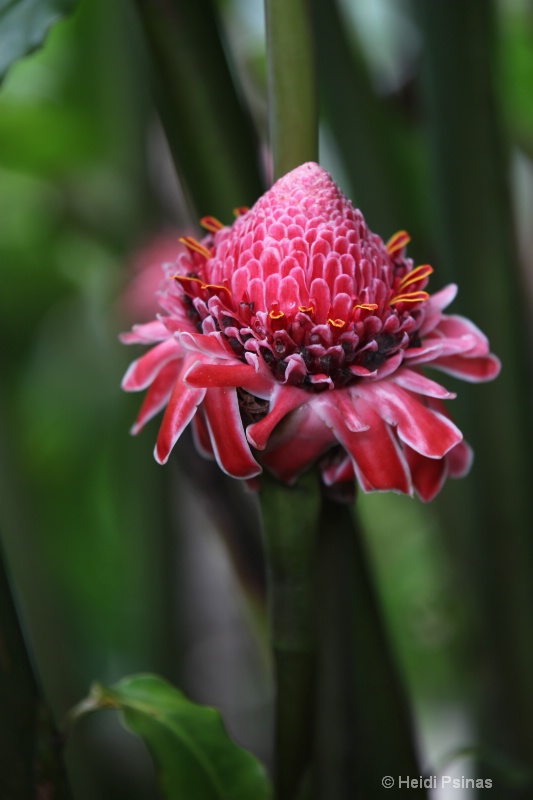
x: 24, y: 25
x: 194, y: 756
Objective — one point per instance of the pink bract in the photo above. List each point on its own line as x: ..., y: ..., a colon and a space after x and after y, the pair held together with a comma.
x: 296, y: 336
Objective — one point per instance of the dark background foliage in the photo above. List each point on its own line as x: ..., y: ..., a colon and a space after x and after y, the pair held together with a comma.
x: 427, y: 123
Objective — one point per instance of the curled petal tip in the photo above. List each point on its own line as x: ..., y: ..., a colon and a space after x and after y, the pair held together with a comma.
x: 128, y: 384
x: 161, y: 457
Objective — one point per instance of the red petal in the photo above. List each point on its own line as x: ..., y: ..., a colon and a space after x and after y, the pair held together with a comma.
x: 454, y: 326
x: 434, y: 306
x: 426, y: 431
x: 270, y: 261
x: 142, y: 372
x: 240, y: 375
x: 157, y: 396
x: 256, y: 291
x: 180, y: 410
x: 240, y: 282
x: 297, y: 444
x: 415, y: 382
x: 339, y: 473
x: 377, y: 458
x: 201, y: 436
x: 231, y: 449
x: 148, y: 333
x: 289, y: 295
x: 322, y: 296
x: 474, y: 370
x: 460, y: 459
x: 283, y: 399
x: 345, y: 404
x: 442, y: 299
x: 433, y: 348
x: 428, y: 474
x: 389, y: 366
x: 209, y: 345
x: 272, y: 289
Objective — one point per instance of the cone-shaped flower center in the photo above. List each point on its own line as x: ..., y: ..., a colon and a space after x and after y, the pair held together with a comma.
x: 298, y: 294
x: 301, y: 281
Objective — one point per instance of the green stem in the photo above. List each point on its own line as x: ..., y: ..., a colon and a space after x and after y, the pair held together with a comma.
x: 291, y: 84
x: 30, y: 760
x: 365, y: 728
x: 290, y: 516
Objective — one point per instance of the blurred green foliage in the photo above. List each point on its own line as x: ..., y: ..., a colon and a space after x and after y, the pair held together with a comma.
x: 89, y: 521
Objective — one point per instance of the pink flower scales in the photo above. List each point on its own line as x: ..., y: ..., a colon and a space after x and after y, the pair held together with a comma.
x: 296, y: 336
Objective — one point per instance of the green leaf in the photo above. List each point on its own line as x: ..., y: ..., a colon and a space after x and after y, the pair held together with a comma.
x: 194, y: 756
x: 24, y: 25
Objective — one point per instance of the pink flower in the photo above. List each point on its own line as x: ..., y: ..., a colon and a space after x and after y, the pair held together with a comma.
x: 139, y: 300
x: 297, y: 336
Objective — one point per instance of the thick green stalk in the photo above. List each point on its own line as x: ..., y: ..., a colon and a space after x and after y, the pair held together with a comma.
x: 290, y: 517
x: 208, y: 126
x: 365, y: 729
x: 30, y: 760
x: 470, y: 166
x: 291, y: 85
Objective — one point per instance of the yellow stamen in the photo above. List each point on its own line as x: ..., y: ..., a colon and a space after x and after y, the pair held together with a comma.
x: 192, y: 244
x: 398, y: 242
x: 276, y: 314
x: 211, y: 224
x: 410, y: 297
x: 216, y: 287
x: 183, y: 279
x: 240, y: 211
x: 417, y: 274
x: 306, y: 309
x: 366, y: 306
x: 337, y: 323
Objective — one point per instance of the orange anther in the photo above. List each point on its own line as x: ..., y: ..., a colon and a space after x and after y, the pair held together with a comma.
x: 409, y: 297
x: 398, y: 242
x: 211, y: 224
x: 418, y: 274
x: 337, y: 323
x: 184, y: 278
x: 192, y: 244
x: 214, y: 287
x: 240, y: 211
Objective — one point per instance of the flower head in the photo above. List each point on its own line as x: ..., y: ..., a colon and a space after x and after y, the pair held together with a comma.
x: 296, y: 336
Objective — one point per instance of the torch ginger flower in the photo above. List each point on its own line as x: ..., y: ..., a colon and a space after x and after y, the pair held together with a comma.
x: 296, y: 336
